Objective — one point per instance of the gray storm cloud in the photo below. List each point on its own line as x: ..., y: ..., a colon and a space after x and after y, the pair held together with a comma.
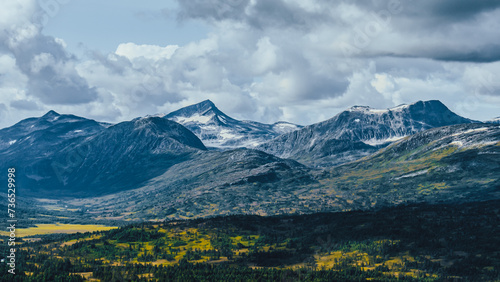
x: 270, y: 60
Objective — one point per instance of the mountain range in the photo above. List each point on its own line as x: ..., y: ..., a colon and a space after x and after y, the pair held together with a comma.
x: 358, y: 132
x: 449, y: 164
x: 197, y: 161
x: 63, y: 155
x: 217, y: 130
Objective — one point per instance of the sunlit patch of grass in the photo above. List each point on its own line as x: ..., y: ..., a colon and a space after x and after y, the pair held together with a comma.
x: 485, y: 181
x: 327, y: 261
x: 429, y: 188
x: 53, y: 208
x: 395, y: 265
x: 57, y: 228
x: 74, y: 241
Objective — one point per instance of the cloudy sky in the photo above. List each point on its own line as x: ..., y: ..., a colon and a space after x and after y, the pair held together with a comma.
x: 301, y: 61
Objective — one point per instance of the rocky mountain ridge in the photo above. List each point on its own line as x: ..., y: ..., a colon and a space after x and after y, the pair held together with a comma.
x: 218, y: 130
x: 358, y: 132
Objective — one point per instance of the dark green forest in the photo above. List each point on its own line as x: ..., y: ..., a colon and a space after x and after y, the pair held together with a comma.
x: 408, y: 243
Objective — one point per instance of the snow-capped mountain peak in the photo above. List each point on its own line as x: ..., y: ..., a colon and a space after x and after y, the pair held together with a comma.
x: 204, y: 108
x: 359, y: 131
x: 369, y: 110
x: 216, y: 129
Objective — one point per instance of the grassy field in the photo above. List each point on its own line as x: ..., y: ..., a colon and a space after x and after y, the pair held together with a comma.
x: 57, y: 228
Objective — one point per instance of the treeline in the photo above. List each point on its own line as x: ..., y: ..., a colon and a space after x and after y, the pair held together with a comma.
x: 186, y: 271
x: 63, y: 270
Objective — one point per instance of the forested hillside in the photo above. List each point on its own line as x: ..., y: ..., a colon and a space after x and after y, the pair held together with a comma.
x: 419, y: 242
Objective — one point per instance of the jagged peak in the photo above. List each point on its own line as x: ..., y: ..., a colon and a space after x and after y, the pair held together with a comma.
x: 51, y: 113
x: 201, y: 108
x: 207, y: 103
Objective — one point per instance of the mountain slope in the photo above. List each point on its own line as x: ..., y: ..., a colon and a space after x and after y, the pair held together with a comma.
x: 213, y: 183
x: 218, y: 130
x: 358, y: 132
x: 451, y: 164
x: 458, y: 163
x: 117, y: 158
x: 36, y: 139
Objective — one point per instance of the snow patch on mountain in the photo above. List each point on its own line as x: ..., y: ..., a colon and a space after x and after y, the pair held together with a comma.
x: 468, y: 137
x: 376, y: 142
x: 229, y: 134
x: 457, y: 143
x: 196, y: 118
x: 282, y: 127
x: 413, y: 174
x: 471, y: 131
x: 377, y: 111
x: 400, y: 107
x: 369, y: 110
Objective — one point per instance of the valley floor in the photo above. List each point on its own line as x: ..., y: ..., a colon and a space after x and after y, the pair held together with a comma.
x: 417, y: 242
